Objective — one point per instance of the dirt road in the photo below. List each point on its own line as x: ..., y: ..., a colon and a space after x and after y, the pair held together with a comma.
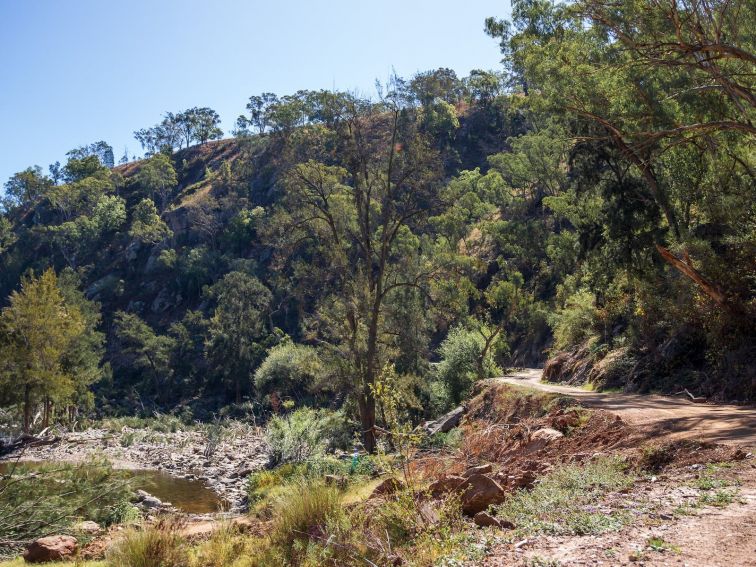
x: 660, y: 415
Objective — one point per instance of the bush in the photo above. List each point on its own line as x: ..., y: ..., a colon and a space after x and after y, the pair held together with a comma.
x: 290, y: 370
x: 265, y: 484
x: 574, y: 323
x: 459, y: 368
x: 306, y: 434
x: 160, y: 545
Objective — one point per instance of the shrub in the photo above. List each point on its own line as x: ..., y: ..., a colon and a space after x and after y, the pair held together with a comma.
x: 574, y: 323
x: 461, y: 366
x: 290, y: 370
x: 225, y: 548
x: 160, y: 545
x: 306, y: 434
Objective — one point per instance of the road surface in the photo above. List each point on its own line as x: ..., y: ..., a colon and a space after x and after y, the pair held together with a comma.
x: 676, y: 417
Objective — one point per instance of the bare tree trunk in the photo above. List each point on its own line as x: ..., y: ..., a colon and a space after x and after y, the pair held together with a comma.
x: 27, y: 409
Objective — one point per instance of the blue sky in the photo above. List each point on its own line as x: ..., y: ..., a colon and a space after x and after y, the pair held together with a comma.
x: 77, y: 71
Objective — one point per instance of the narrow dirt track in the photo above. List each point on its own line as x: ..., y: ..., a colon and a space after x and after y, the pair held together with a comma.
x: 659, y: 415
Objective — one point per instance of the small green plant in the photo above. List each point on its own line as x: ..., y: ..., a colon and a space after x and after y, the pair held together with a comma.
x: 214, y: 434
x: 127, y: 439
x: 719, y: 498
x: 303, y: 514
x: 124, y: 513
x: 659, y: 545
x: 225, y: 548
x: 538, y: 561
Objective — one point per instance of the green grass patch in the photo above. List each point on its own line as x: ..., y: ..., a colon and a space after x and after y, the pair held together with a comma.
x: 659, y: 545
x: 267, y: 485
x: 566, y: 501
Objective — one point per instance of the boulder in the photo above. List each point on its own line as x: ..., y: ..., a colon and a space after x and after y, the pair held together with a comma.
x: 51, y: 548
x: 445, y: 423
x: 89, y: 527
x: 148, y: 500
x: 388, y: 486
x: 478, y: 492
x: 539, y: 439
x: 444, y: 485
x: 480, y: 469
x: 485, y: 520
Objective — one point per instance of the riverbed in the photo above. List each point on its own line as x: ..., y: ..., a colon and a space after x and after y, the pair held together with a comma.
x: 181, y: 467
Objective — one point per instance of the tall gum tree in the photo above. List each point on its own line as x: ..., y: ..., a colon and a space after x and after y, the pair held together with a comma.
x: 350, y: 233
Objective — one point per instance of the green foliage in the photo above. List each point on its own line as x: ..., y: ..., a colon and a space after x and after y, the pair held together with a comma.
x: 307, y: 509
x: 144, y: 349
x: 238, y: 328
x: 463, y: 361
x: 39, y: 500
x: 41, y: 343
x: 291, y: 371
x: 146, y: 224
x: 157, y: 179
x: 306, y: 434
x: 25, y: 188
x: 575, y: 322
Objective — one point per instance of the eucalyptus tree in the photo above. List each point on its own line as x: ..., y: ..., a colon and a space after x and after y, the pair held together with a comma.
x: 351, y: 234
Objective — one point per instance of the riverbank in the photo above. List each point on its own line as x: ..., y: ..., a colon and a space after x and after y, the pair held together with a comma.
x: 219, y: 456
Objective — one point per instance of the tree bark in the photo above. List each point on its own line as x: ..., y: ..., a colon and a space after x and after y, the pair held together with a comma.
x: 708, y: 287
x: 27, y: 409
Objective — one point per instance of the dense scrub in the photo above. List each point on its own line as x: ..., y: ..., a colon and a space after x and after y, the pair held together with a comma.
x: 380, y: 256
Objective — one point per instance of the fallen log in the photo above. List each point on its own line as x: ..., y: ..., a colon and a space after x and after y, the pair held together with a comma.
x: 27, y: 440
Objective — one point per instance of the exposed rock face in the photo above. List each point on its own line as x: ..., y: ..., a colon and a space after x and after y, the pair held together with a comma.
x: 51, y: 548
x: 149, y: 501
x: 89, y: 527
x: 445, y: 423
x: 479, y: 492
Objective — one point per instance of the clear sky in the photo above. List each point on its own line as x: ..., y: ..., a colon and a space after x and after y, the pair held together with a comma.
x: 76, y: 71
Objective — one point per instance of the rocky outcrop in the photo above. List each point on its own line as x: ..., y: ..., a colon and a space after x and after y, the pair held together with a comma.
x: 51, y: 548
x: 446, y: 422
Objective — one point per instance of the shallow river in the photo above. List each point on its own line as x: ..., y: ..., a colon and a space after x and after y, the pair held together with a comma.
x: 190, y: 496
